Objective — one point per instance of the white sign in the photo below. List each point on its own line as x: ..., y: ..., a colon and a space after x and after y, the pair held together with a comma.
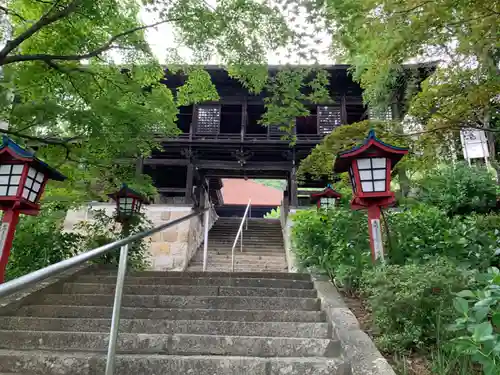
x: 378, y: 246
x: 474, y: 144
x: 4, y: 228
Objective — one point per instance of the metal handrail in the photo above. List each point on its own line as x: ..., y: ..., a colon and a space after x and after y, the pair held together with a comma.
x: 240, y: 232
x: 26, y: 281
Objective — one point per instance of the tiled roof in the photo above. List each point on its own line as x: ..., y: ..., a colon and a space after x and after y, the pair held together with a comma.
x: 239, y: 191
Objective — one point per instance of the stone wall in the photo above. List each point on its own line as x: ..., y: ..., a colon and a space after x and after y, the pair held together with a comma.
x: 170, y: 249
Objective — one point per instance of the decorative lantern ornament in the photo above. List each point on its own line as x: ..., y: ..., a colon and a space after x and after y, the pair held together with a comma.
x: 128, y: 203
x: 326, y: 199
x: 22, y: 182
x: 369, y: 166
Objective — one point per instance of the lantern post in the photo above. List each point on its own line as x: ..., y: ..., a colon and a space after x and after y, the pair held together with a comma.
x: 128, y: 204
x: 369, y: 166
x: 23, y: 178
x: 326, y: 199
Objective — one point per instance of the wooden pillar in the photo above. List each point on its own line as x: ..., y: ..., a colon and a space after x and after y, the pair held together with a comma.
x: 139, y: 166
x: 343, y: 109
x: 244, y: 109
x: 189, y: 183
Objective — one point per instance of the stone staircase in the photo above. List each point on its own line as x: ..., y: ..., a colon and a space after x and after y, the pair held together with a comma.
x: 263, y: 247
x: 174, y: 323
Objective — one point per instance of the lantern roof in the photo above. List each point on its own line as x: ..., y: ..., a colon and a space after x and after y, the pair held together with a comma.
x: 371, y: 147
x: 327, y: 192
x: 16, y: 152
x: 127, y: 192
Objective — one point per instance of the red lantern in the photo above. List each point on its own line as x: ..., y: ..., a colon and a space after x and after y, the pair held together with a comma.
x: 369, y: 166
x: 128, y: 202
x: 326, y: 199
x: 22, y: 182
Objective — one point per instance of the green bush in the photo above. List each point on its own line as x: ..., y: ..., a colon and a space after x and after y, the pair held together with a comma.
x: 423, y: 231
x: 275, y: 213
x: 407, y: 301
x: 459, y: 189
x: 40, y: 241
x: 335, y: 242
x: 477, y: 323
x: 104, y: 229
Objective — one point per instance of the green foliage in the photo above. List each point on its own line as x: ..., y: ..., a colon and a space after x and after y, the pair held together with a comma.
x: 377, y: 36
x: 40, y: 241
x: 478, y: 323
x: 422, y: 232
x: 277, y: 184
x: 80, y: 82
x: 408, y: 300
x: 275, y: 213
x: 319, y: 162
x: 289, y: 92
x: 332, y: 242
x: 459, y: 189
x: 197, y: 89
x: 104, y: 229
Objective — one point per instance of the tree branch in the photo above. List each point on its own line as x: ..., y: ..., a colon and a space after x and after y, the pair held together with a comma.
x: 11, y: 12
x: 95, y: 53
x: 45, y: 20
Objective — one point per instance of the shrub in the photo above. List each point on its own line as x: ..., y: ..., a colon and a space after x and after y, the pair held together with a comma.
x: 335, y: 242
x: 275, y: 213
x: 104, y: 229
x: 408, y: 300
x: 459, y: 189
x: 423, y: 231
x: 40, y: 241
x: 478, y: 323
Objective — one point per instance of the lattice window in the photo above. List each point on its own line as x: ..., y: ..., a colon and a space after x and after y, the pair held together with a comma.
x: 380, y: 115
x: 329, y: 118
x: 275, y: 130
x: 208, y: 119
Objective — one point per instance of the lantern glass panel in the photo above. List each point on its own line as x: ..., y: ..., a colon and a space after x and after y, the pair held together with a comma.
x: 353, y: 180
x: 10, y: 176
x: 33, y: 184
x: 372, y: 173
x: 327, y: 202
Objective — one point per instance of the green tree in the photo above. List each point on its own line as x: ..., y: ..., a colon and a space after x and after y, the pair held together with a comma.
x: 81, y: 84
x: 377, y: 37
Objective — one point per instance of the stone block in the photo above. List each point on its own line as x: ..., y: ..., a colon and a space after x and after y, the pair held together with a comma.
x: 160, y: 248
x: 157, y: 237
x: 169, y: 235
x: 162, y: 262
x: 182, y: 235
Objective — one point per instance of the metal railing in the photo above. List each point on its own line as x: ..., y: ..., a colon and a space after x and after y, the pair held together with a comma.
x: 248, y: 213
x: 28, y: 280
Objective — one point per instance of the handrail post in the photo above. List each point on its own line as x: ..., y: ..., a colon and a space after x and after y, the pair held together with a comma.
x: 205, y: 240
x: 115, y: 320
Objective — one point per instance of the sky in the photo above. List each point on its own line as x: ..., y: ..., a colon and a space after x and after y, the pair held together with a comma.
x: 162, y: 38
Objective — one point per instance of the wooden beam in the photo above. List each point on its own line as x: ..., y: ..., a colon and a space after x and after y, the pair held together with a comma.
x: 189, y: 184
x: 266, y: 165
x: 170, y: 190
x: 172, y: 162
x: 343, y: 109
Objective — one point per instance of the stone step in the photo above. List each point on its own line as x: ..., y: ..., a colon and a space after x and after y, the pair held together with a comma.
x: 57, y: 363
x: 240, y: 260
x: 207, y: 281
x: 178, y: 344
x: 85, y: 312
x: 87, y: 288
x: 169, y: 327
x: 186, y: 302
x: 199, y: 267
x: 234, y: 275
x: 242, y: 256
